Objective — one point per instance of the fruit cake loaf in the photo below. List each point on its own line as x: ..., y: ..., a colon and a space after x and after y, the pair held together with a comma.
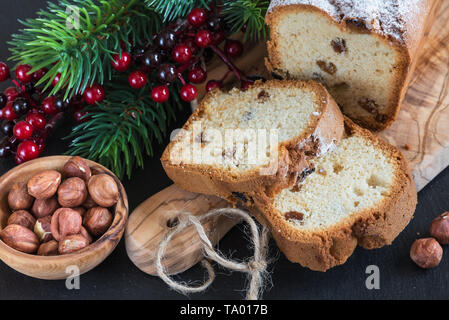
x: 256, y: 141
x: 361, y: 193
x: 364, y: 51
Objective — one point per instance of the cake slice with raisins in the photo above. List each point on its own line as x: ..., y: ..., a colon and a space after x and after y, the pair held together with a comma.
x: 364, y: 51
x: 361, y: 193
x: 240, y: 143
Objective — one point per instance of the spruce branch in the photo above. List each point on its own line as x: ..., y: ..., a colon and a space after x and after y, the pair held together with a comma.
x: 123, y: 127
x: 172, y: 9
x: 251, y: 13
x: 80, y: 47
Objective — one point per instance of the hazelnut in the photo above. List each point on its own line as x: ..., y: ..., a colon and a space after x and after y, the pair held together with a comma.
x: 72, y: 243
x: 18, y: 197
x: 42, y: 229
x: 77, y: 167
x: 49, y: 248
x: 22, y: 218
x: 103, y: 190
x: 80, y: 210
x: 439, y: 228
x: 44, y: 207
x: 89, y: 203
x: 65, y: 221
x: 97, y: 221
x: 72, y: 192
x: 86, y: 235
x: 426, y: 253
x: 45, y: 184
x: 20, y: 238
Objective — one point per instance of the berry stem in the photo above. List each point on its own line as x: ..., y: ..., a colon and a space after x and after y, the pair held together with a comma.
x: 181, y: 78
x: 225, y: 59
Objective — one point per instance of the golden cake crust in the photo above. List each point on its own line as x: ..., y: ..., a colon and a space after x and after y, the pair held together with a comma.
x: 370, y: 228
x: 293, y: 154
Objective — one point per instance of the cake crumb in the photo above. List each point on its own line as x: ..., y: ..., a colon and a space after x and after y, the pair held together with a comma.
x: 407, y: 147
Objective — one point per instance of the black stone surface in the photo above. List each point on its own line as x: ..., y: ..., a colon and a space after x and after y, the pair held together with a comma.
x: 118, y: 278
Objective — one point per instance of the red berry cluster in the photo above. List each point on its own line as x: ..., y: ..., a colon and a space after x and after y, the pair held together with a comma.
x: 176, y: 52
x: 27, y: 115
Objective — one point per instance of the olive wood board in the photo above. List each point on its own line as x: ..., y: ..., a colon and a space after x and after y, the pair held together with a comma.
x: 421, y: 132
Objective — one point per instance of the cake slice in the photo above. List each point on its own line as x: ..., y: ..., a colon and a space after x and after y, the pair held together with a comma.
x: 364, y: 51
x: 361, y: 193
x: 240, y: 143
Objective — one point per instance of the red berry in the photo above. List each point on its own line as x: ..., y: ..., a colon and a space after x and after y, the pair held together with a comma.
x: 245, y: 85
x: 48, y: 105
x: 213, y: 84
x: 122, y: 62
x: 197, y: 75
x: 18, y: 159
x: 160, y: 94
x: 36, y: 120
x: 188, y: 93
x: 22, y: 73
x: 56, y: 80
x: 218, y: 37
x: 37, y: 75
x: 94, y: 94
x: 1, y: 113
x: 4, y: 72
x: 23, y: 130
x: 197, y: 17
x: 11, y: 93
x: 181, y: 53
x: 233, y: 48
x: 203, y: 38
x: 137, y: 79
x: 8, y: 112
x: 27, y: 150
x: 81, y: 116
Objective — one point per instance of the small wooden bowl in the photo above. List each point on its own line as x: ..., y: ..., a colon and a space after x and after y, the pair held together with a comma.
x: 55, y: 267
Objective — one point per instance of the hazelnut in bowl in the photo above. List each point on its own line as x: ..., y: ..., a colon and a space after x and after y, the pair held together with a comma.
x: 59, y: 212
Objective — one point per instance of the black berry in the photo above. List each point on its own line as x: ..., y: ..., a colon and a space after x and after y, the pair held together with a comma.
x: 166, y: 40
x: 152, y: 59
x: 167, y: 73
x: 3, y: 100
x: 6, y: 127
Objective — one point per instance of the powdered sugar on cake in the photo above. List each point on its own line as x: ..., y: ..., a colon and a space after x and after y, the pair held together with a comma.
x: 391, y: 18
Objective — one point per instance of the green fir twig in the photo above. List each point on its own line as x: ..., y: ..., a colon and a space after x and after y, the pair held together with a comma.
x: 77, y: 39
x: 122, y: 128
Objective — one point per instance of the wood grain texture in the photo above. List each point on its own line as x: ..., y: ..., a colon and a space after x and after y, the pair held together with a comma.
x: 55, y: 267
x: 421, y: 129
x: 154, y: 218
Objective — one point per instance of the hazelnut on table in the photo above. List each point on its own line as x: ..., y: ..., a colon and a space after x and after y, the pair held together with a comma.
x: 439, y: 228
x: 426, y: 253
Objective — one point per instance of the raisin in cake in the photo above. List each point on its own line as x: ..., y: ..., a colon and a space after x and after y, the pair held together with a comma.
x: 364, y: 51
x: 256, y: 141
x: 361, y: 193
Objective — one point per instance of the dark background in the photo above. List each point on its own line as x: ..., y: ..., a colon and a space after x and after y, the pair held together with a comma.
x: 118, y: 278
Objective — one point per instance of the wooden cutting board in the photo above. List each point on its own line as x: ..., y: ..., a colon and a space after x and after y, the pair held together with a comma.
x: 421, y: 132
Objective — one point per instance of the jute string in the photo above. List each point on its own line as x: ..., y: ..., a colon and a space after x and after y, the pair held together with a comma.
x: 255, y: 267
